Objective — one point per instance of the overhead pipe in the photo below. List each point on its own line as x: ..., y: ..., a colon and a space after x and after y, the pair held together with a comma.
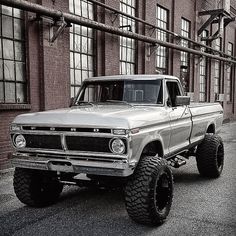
x: 70, y: 18
x: 156, y: 27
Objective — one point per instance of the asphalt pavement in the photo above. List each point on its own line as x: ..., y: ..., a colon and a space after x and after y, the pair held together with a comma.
x: 200, y: 206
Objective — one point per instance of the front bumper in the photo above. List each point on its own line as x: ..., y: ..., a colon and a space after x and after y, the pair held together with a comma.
x: 114, y: 168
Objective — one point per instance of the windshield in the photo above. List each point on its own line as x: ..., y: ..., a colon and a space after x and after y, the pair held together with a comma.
x: 130, y: 91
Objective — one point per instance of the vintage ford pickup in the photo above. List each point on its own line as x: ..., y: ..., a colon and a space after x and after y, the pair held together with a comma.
x: 124, y: 131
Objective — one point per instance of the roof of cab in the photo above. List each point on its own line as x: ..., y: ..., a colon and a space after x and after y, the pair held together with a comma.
x: 131, y: 77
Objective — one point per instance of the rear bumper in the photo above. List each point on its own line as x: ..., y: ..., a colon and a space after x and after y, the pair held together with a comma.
x: 115, y: 168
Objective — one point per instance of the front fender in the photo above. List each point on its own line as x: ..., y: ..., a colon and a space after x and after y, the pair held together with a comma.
x: 140, y: 141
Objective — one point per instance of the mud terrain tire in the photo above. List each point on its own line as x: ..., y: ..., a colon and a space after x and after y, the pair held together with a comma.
x: 36, y: 188
x: 149, y: 191
x: 210, y: 156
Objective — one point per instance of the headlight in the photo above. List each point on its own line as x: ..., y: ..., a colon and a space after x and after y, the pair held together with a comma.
x: 117, y: 146
x: 15, y: 127
x: 19, y: 141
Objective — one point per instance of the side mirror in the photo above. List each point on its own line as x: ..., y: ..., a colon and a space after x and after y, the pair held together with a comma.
x: 72, y: 101
x: 182, y: 100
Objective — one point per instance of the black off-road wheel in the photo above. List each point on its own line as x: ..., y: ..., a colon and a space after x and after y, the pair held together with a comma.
x: 149, y: 192
x: 210, y: 156
x: 36, y: 188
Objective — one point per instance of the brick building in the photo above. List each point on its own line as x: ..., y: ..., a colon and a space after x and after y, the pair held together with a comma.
x: 37, y: 75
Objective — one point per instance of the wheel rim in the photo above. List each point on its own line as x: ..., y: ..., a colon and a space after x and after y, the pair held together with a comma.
x: 220, y: 157
x: 163, y: 191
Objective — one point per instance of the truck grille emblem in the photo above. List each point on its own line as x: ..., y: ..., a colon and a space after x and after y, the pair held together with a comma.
x: 52, y: 128
x: 73, y: 129
x: 96, y: 130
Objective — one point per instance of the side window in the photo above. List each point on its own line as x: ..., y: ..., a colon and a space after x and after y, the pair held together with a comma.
x: 173, y: 91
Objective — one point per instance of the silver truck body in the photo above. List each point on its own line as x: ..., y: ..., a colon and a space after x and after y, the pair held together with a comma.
x: 173, y: 129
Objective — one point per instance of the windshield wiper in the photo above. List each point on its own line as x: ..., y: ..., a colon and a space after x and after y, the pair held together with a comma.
x: 118, y: 101
x: 84, y: 103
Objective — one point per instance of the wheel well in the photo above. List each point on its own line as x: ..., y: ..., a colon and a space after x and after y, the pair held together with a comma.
x: 211, y: 129
x: 153, y: 148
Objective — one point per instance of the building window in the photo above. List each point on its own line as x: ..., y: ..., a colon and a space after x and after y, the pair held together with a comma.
x: 162, y: 52
x: 13, y: 86
x: 81, y: 46
x: 217, y: 69
x: 229, y: 74
x: 202, y: 72
x: 127, y: 45
x: 184, y: 56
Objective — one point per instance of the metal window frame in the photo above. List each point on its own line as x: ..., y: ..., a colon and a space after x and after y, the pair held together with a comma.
x: 203, y: 65
x: 76, y: 86
x: 22, y: 41
x: 128, y: 63
x: 229, y: 87
x: 217, y: 87
x: 185, y: 64
x: 166, y: 57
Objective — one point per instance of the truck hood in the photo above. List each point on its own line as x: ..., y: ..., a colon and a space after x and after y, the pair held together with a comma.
x: 101, y: 116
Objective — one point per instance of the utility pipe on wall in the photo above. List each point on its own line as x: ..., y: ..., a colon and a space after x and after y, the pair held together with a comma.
x: 70, y: 18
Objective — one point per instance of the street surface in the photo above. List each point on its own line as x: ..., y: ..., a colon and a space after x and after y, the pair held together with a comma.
x: 200, y: 206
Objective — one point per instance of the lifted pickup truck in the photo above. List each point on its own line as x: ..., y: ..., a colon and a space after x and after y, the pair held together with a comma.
x: 119, y: 130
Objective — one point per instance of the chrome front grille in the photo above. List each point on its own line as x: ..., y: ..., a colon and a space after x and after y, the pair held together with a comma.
x: 43, y: 141
x: 90, y: 144
x: 68, y: 143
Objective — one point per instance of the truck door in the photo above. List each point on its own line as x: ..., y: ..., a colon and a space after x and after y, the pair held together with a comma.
x: 180, y: 118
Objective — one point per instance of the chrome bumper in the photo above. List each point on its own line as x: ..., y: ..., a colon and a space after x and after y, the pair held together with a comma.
x: 115, y: 168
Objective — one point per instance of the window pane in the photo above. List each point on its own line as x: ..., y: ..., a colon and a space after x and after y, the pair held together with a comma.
x: 18, y: 29
x: 20, y: 93
x: 84, y: 74
x: 72, y: 76
x: 72, y: 65
x: 90, y: 46
x: 77, y: 29
x: 84, y: 62
x: 6, y: 10
x: 84, y: 6
x: 18, y: 51
x: 72, y: 93
x: 77, y: 7
x: 77, y: 61
x: 0, y: 47
x: 8, y: 49
x: 77, y: 77
x: 1, y: 92
x: 71, y: 6
x: 90, y: 63
x: 1, y: 70
x: 9, y: 70
x: 10, y: 92
x: 77, y: 44
x: 84, y: 45
x: 7, y: 26
x: 20, y: 71
x: 18, y: 13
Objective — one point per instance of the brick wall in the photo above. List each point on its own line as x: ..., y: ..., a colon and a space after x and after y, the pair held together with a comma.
x: 47, y: 74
